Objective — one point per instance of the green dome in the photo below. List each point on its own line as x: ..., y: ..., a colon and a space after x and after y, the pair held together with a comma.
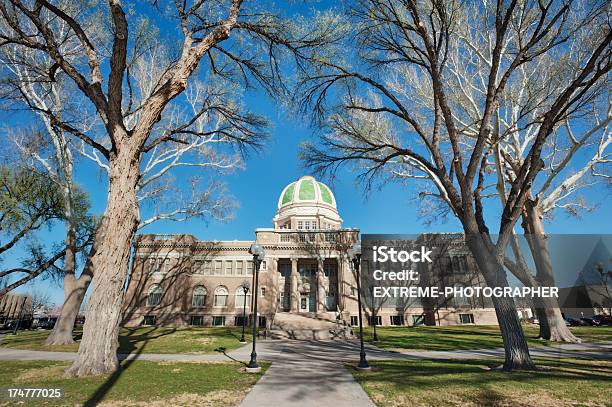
x: 307, y: 190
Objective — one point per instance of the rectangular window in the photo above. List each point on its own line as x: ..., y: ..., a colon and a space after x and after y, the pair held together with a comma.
x: 397, y: 320
x: 285, y: 237
x: 466, y: 318
x: 249, y: 267
x: 264, y: 265
x: 354, y: 320
x: 330, y: 237
x: 218, y: 321
x: 220, y: 300
x: 239, y: 321
x: 218, y: 267
x: 261, y: 322
x: 198, y: 267
x: 329, y: 269
x: 306, y: 225
x: 208, y: 267
x: 284, y: 270
x: 263, y: 291
x: 374, y: 320
x: 240, y: 297
x: 300, y: 225
x: 149, y: 320
x: 229, y: 269
x: 302, y: 237
x: 307, y: 269
x: 239, y: 267
x: 157, y: 265
x: 154, y: 298
x: 197, y: 320
x: 199, y: 299
x: 418, y: 320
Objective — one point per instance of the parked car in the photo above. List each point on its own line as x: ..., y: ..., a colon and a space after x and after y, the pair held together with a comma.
x: 603, y: 320
x: 589, y: 321
x: 44, y: 323
x: 575, y: 322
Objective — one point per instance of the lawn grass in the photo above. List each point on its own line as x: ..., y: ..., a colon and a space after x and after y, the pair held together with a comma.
x: 558, y: 382
x: 143, y: 339
x: 206, y: 340
x: 137, y: 383
x: 445, y: 338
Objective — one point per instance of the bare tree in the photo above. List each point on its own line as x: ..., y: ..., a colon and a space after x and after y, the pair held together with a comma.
x: 41, y: 300
x: 99, y: 64
x: 515, y: 125
x: 382, y: 125
x: 51, y: 151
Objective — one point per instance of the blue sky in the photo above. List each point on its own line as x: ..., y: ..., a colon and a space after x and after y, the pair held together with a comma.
x: 391, y: 209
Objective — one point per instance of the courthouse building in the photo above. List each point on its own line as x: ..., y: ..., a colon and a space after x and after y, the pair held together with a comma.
x: 178, y: 280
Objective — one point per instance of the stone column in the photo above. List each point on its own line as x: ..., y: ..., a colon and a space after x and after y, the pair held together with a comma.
x: 295, y: 295
x: 275, y: 289
x: 320, y: 287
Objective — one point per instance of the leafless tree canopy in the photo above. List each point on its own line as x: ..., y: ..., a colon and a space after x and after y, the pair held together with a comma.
x: 438, y: 91
x: 429, y: 84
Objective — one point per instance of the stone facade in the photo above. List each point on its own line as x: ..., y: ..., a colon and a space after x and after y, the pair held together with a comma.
x: 177, y: 280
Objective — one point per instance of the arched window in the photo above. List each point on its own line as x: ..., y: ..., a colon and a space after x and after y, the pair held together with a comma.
x: 155, y: 294
x: 199, y: 296
x: 240, y: 297
x: 221, y: 295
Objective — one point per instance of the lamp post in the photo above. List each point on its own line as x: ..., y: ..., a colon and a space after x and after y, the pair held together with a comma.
x: 258, y: 254
x: 355, y: 256
x: 245, y: 289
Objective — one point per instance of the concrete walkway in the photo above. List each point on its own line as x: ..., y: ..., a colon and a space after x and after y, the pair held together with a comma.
x: 340, y: 351
x: 314, y: 373
x: 307, y: 373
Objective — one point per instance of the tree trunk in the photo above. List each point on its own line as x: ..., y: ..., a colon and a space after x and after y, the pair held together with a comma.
x: 552, y: 324
x: 98, y: 349
x: 515, y: 344
x: 62, y: 331
x: 74, y: 294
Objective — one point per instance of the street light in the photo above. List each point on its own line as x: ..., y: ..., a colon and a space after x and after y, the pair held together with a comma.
x: 355, y: 256
x: 258, y: 254
x: 245, y: 289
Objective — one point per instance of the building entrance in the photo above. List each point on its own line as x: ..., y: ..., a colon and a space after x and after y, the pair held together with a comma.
x: 307, y: 302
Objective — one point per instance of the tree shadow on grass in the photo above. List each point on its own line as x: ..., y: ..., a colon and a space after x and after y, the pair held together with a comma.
x: 440, y: 374
x: 103, y: 390
x: 136, y: 336
x: 129, y: 354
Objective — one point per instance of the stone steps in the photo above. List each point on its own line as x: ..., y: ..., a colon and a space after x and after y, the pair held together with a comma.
x: 306, y: 327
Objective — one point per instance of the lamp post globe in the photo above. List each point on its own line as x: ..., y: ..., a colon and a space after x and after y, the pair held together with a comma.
x: 355, y: 255
x: 258, y: 253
